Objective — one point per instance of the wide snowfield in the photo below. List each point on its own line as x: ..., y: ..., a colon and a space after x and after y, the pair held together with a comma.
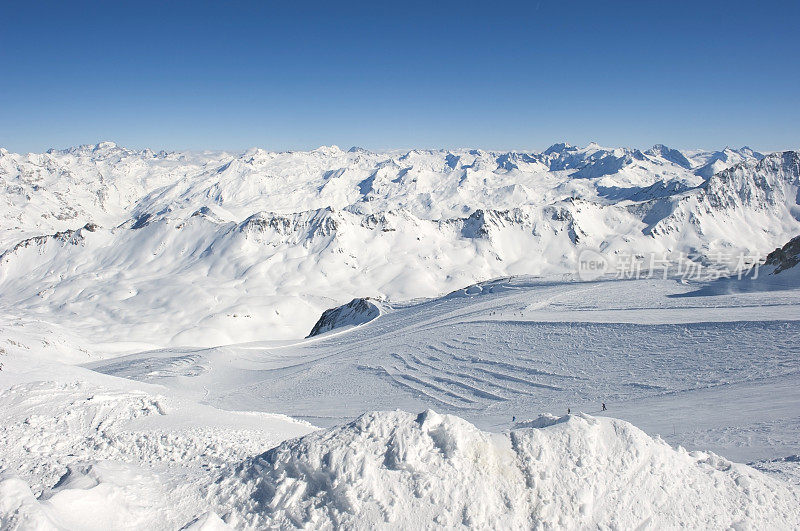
x: 153, y: 375
x: 165, y: 438
x: 708, y: 372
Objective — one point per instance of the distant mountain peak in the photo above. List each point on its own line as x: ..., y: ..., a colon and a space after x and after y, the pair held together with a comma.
x: 670, y: 154
x: 560, y: 147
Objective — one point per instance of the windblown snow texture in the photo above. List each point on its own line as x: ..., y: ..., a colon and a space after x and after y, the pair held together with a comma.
x: 433, y: 470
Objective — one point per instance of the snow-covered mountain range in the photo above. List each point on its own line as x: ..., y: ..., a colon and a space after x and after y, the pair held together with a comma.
x: 154, y: 309
x: 255, y: 245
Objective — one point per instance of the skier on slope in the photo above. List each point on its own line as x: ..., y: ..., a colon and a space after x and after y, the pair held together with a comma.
x: 604, y: 406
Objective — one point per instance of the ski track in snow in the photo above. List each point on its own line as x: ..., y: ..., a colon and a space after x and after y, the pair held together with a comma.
x: 488, y: 357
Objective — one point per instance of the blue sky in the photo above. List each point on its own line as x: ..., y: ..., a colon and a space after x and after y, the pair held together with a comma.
x: 517, y: 75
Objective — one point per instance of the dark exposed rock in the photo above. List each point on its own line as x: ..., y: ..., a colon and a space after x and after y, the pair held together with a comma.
x: 355, y: 312
x: 785, y: 257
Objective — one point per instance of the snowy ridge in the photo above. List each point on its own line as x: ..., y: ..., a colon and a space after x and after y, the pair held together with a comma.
x: 720, y: 160
x: 765, y: 191
x: 280, y: 237
x: 431, y: 470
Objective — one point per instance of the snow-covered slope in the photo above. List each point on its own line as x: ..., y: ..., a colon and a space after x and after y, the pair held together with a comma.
x: 139, y: 443
x: 256, y: 245
x: 430, y: 471
x: 81, y: 450
x: 713, y: 162
x: 650, y: 349
x: 59, y: 190
x: 146, y: 301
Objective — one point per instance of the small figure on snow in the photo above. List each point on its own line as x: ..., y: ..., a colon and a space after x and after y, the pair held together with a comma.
x: 568, y: 411
x: 513, y: 418
x: 604, y: 406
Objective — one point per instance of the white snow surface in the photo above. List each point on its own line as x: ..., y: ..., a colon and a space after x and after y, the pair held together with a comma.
x: 87, y: 450
x: 420, y: 471
x: 154, y: 308
x: 79, y: 450
x: 255, y: 245
x: 676, y: 359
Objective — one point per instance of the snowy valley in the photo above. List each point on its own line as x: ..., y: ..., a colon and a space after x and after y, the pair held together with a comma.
x: 359, y: 339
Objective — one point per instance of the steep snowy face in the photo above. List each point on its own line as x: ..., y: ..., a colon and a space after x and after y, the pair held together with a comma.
x: 770, y: 182
x: 752, y: 202
x: 433, y: 470
x: 226, y: 241
x: 667, y: 153
x: 714, y: 162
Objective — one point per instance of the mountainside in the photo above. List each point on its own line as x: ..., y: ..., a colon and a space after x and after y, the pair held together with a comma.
x: 256, y: 245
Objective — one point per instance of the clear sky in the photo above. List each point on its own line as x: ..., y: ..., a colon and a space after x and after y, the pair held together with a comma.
x: 296, y: 75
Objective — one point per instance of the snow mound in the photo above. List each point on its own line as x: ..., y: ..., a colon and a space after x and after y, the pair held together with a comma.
x: 354, y: 313
x: 431, y: 470
x: 98, y: 496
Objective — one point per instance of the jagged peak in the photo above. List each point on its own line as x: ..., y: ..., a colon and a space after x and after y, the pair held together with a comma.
x: 670, y: 154
x: 357, y: 149
x: 356, y: 312
x: 786, y: 257
x: 559, y: 147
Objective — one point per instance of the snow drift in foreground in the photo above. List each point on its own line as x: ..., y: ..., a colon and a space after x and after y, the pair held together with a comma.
x: 434, y: 470
x: 88, y: 456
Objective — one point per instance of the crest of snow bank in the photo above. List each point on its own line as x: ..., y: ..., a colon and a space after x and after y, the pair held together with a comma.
x: 436, y: 470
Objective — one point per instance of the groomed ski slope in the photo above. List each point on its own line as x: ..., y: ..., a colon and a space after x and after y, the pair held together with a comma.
x: 712, y: 372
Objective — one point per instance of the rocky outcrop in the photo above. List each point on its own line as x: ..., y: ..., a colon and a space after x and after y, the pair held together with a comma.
x: 785, y: 257
x: 355, y: 312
